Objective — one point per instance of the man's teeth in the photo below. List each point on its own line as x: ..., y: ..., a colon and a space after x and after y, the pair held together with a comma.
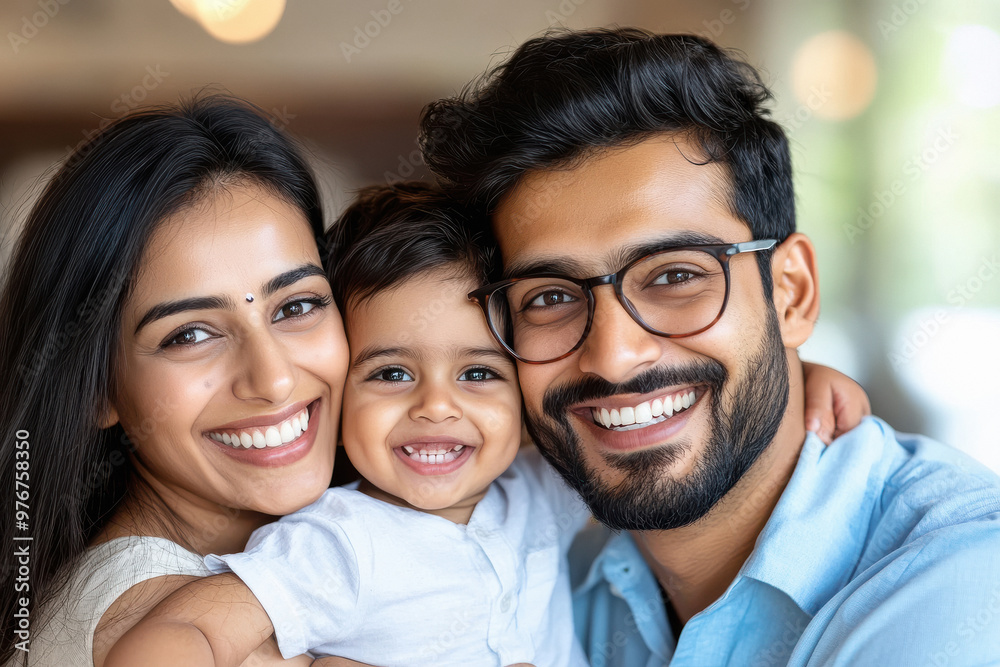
x: 665, y: 407
x: 271, y: 436
x: 433, y: 455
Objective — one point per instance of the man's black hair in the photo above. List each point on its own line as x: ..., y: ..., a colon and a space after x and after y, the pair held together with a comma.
x: 392, y: 233
x: 561, y: 96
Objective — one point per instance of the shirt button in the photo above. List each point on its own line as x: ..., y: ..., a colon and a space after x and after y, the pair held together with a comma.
x: 505, y: 603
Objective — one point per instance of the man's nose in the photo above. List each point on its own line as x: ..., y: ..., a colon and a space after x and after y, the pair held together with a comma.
x: 617, y: 347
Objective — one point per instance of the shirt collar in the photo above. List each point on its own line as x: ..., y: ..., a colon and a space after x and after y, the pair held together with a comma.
x: 809, y: 546
x: 623, y: 567
x: 815, y: 536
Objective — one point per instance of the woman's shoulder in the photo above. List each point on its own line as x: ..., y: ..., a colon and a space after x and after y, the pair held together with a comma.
x: 104, y: 573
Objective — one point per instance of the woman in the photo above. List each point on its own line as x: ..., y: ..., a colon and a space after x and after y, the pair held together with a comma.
x: 167, y: 287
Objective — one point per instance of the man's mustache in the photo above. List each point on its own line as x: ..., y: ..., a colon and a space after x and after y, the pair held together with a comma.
x: 709, y: 372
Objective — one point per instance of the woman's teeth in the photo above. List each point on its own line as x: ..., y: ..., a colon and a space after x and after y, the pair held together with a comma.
x: 643, y: 413
x: 272, y: 436
x: 433, y: 455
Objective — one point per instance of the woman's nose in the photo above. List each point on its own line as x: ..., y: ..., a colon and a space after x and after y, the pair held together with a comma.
x: 266, y: 371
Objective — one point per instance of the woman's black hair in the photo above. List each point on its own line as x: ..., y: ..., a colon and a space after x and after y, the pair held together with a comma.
x: 562, y: 95
x: 61, y: 309
x: 391, y: 233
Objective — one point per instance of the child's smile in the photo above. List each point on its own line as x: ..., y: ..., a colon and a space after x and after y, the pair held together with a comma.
x: 435, y: 455
x: 432, y: 410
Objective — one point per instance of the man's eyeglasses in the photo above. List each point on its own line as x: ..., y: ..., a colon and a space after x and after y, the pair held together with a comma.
x: 672, y: 293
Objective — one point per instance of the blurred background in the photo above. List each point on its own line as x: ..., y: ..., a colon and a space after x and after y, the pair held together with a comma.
x: 891, y: 106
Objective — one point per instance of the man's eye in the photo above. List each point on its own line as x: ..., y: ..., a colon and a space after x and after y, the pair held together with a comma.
x: 187, y: 337
x: 393, y: 375
x: 552, y: 298
x: 674, y: 277
x: 479, y: 375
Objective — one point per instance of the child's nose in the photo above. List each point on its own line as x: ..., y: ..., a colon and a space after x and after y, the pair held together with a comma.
x: 435, y: 402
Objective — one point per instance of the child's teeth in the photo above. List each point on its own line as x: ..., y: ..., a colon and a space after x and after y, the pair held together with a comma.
x: 433, y: 456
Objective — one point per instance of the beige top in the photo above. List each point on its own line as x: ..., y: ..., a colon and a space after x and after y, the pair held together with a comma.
x: 105, y: 573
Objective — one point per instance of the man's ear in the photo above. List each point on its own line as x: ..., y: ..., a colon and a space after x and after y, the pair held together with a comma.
x: 796, y: 288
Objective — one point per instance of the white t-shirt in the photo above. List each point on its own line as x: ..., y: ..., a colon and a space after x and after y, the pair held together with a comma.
x: 359, y: 578
x: 106, y: 571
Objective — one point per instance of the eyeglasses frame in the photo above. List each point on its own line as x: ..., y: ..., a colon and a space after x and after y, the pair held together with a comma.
x: 722, y: 252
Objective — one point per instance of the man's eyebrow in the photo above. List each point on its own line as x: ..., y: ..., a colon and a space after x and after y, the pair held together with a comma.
x: 168, y: 308
x: 571, y: 267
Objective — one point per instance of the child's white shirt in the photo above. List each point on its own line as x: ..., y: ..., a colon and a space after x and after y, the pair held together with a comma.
x: 359, y: 578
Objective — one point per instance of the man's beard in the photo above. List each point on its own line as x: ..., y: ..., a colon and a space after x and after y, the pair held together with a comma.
x: 648, y: 498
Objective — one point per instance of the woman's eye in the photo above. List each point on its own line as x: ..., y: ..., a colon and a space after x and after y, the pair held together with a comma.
x: 187, y: 337
x: 479, y: 375
x: 294, y: 309
x: 393, y: 375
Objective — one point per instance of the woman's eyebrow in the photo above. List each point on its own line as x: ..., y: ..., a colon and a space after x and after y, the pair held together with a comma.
x: 168, y: 308
x: 290, y: 278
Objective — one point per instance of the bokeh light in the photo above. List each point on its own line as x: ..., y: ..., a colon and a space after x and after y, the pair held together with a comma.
x: 971, y: 65
x: 834, y: 74
x: 234, y: 21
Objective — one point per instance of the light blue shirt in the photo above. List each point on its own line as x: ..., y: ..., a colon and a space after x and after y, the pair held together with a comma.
x: 883, y: 550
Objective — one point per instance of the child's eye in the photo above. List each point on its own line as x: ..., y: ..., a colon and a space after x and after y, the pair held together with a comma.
x: 300, y: 307
x: 185, y: 337
x: 392, y: 375
x: 480, y: 374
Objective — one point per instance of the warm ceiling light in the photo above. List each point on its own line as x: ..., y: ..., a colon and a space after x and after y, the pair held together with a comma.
x: 234, y: 21
x: 834, y: 73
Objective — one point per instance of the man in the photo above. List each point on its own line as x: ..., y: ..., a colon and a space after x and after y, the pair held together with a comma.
x: 655, y: 294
